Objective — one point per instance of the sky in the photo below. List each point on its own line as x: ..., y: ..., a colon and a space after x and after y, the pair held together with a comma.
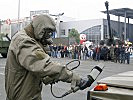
x: 79, y: 9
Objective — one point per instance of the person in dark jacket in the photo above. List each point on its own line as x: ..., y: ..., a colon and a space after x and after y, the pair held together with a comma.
x: 117, y: 53
x: 122, y: 54
x: 105, y: 52
x: 111, y: 52
x: 55, y: 49
x: 62, y: 51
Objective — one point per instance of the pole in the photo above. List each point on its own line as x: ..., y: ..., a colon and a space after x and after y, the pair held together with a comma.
x: 57, y: 22
x: 108, y: 19
x: 57, y: 25
x: 0, y: 25
x: 18, y: 14
x: 128, y: 30
x: 119, y: 27
x: 125, y: 26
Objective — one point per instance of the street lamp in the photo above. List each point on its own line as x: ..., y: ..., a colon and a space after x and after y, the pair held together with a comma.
x: 57, y: 22
x: 0, y: 25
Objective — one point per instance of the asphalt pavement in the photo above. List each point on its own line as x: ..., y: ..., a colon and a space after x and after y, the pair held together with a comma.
x: 85, y: 67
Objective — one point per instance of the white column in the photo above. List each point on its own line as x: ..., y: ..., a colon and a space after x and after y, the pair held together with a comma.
x: 57, y: 26
x: 119, y: 27
x: 102, y: 32
x: 125, y: 32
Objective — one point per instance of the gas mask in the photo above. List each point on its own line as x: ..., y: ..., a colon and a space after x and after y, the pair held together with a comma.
x: 46, y: 37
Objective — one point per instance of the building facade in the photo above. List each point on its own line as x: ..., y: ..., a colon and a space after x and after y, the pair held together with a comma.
x: 96, y: 29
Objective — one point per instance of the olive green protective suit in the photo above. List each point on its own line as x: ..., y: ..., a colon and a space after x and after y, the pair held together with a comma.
x: 28, y: 65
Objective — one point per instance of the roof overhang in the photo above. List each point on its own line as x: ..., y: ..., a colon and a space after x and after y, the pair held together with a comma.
x: 121, y: 12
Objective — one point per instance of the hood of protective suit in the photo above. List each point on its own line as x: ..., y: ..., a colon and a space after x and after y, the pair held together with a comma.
x: 40, y: 23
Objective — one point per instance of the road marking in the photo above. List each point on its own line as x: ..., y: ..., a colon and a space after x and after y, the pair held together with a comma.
x: 2, y: 74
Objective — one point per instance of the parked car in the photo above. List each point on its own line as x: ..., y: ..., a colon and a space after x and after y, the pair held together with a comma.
x: 116, y: 87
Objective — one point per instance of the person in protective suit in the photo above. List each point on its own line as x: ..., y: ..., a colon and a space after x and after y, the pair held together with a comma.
x: 28, y: 65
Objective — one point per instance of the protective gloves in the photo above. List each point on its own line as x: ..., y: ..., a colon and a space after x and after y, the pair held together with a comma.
x: 84, y: 83
x: 95, y: 72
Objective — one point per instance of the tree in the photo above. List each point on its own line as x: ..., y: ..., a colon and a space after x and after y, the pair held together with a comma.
x: 74, y: 34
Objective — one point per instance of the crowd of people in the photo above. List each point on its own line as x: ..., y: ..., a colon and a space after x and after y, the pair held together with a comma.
x: 114, y: 53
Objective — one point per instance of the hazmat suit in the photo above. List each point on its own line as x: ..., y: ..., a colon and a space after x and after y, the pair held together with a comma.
x: 28, y: 65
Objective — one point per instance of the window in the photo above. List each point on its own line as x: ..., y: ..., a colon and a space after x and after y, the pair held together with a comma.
x: 63, y: 32
x: 106, y: 34
x: 93, y: 34
x: 69, y: 30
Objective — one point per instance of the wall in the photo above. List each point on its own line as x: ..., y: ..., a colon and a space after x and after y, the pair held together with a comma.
x: 80, y: 25
x: 114, y: 25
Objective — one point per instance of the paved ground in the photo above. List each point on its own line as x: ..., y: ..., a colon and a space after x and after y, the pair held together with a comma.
x: 84, y: 69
